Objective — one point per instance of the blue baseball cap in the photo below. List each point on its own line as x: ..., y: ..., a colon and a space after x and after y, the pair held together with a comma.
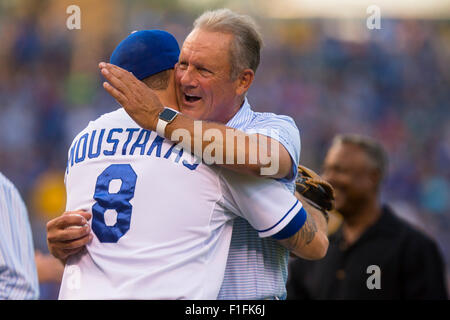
x: 146, y: 52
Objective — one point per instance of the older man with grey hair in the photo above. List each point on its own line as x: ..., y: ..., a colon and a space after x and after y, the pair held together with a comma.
x: 216, y: 68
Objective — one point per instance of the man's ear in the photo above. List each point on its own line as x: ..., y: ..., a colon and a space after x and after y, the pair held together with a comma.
x: 244, y: 81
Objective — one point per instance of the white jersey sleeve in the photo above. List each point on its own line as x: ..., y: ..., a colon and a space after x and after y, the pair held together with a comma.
x: 266, y: 204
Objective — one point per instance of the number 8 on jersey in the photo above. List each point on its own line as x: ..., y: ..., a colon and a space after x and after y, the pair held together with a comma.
x: 120, y: 202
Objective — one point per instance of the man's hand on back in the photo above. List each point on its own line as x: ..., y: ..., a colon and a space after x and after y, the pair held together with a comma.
x: 68, y: 234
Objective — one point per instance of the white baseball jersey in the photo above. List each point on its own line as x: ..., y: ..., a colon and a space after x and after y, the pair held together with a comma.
x: 162, y: 223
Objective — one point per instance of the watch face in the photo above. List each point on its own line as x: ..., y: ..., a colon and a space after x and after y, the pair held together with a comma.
x: 167, y: 115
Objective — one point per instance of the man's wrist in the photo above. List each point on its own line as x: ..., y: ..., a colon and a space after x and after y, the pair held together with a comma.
x: 165, y: 117
x: 155, y: 117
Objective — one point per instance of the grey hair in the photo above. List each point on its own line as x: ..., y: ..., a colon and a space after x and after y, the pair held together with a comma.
x: 247, y: 41
x: 371, y: 147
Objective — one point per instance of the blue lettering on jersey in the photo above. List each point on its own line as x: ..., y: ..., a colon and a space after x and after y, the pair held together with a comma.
x: 142, y: 145
x: 115, y: 141
x: 131, y: 131
x: 83, y: 140
x: 99, y: 144
x: 71, y: 155
x: 169, y: 152
x: 92, y: 146
x: 190, y: 166
x: 158, y: 144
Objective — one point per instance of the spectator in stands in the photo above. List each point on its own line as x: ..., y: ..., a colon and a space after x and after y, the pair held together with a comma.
x: 374, y: 255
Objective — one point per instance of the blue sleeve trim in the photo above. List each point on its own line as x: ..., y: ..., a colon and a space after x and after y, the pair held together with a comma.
x: 265, y: 230
x: 293, y: 226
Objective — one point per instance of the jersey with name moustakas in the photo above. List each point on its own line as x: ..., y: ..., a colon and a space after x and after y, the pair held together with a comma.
x: 162, y: 221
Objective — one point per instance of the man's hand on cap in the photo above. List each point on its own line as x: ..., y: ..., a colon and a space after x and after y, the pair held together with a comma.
x: 138, y: 100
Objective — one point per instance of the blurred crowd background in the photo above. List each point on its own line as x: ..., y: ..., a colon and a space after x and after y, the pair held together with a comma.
x: 331, y: 74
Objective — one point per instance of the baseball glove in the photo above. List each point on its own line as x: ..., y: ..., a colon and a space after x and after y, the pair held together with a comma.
x: 311, y: 186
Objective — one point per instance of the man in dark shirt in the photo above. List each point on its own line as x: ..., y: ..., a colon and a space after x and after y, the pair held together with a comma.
x: 374, y: 254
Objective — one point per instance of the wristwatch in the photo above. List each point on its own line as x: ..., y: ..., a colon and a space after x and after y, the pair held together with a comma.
x: 165, y: 117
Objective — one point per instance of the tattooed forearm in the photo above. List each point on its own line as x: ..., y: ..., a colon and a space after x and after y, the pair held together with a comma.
x: 308, y: 231
x: 310, y: 241
x: 305, y: 235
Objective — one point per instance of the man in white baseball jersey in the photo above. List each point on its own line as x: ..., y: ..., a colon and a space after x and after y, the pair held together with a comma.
x: 159, y: 217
